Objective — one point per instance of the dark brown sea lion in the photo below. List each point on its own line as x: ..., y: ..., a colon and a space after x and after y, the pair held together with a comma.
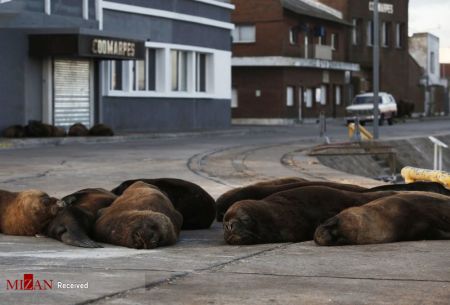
x: 142, y: 218
x: 101, y: 130
x: 78, y: 130
x: 37, y: 129
x: 422, y: 186
x: 74, y: 224
x: 261, y: 190
x: 401, y: 217
x: 26, y: 212
x: 196, y: 206
x: 15, y: 131
x: 288, y: 216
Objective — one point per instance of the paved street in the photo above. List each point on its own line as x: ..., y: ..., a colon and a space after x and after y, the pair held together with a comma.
x: 201, y: 268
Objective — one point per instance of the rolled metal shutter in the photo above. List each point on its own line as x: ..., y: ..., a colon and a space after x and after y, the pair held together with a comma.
x: 72, y: 92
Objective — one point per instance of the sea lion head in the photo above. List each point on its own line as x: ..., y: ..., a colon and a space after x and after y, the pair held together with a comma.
x: 70, y: 227
x: 343, y: 229
x: 143, y: 230
x: 34, y: 210
x: 241, y: 225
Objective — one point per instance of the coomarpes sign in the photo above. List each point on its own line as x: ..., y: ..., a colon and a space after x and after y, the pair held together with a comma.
x: 112, y: 47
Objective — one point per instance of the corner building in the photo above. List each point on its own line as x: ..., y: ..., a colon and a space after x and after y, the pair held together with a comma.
x: 132, y: 64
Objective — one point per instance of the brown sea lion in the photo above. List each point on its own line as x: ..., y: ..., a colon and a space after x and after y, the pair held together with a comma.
x: 421, y: 186
x: 196, y: 206
x: 74, y: 224
x: 27, y: 212
x: 288, y: 216
x: 142, y: 218
x: 78, y: 130
x: 401, y: 217
x: 101, y: 130
x: 15, y: 131
x: 261, y: 190
x: 37, y: 129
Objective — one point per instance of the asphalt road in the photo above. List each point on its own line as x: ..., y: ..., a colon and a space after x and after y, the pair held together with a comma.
x: 201, y: 268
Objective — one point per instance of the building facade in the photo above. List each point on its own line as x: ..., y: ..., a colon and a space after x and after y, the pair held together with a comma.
x: 132, y: 64
x: 289, y: 61
x: 399, y: 73
x: 424, y: 48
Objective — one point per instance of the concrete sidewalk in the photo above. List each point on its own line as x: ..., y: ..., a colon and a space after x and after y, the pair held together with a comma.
x: 201, y: 268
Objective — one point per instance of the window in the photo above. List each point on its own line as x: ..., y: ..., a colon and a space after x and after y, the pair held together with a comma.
x: 385, y: 31
x: 244, y: 34
x: 355, y: 32
x: 234, y: 98
x: 200, y: 72
x: 306, y: 45
x: 293, y: 36
x: 399, y: 34
x: 334, y: 41
x: 432, y: 64
x: 138, y: 67
x: 179, y: 70
x: 290, y: 96
x: 308, y: 98
x: 323, y: 95
x: 116, y: 79
x: 370, y: 33
x: 151, y: 69
x: 337, y: 95
x: 187, y: 70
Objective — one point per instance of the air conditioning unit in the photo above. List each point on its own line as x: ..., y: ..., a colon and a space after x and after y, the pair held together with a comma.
x: 318, y: 51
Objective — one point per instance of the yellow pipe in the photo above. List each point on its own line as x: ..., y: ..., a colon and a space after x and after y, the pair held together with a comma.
x: 411, y: 174
x: 365, y: 134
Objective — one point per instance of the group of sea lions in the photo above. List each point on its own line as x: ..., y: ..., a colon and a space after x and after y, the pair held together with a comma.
x: 148, y: 213
x: 140, y: 213
x: 295, y: 210
x: 37, y: 129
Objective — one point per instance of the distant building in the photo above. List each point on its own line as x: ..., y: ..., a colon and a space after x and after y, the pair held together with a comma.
x: 399, y: 74
x: 289, y: 61
x: 424, y: 48
x: 135, y: 65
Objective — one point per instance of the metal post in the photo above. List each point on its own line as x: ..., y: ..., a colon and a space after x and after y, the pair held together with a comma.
x: 435, y: 161
x: 376, y: 68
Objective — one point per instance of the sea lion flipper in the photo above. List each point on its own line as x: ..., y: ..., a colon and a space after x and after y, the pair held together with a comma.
x: 78, y: 240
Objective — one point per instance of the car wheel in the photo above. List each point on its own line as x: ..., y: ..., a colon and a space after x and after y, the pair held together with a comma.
x: 390, y: 121
x: 381, y: 120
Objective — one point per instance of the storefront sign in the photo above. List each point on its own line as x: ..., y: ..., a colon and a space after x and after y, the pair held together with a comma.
x: 113, y: 47
x: 382, y: 7
x: 85, y: 46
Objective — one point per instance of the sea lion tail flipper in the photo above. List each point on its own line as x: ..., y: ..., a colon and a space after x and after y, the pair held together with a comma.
x: 78, y: 239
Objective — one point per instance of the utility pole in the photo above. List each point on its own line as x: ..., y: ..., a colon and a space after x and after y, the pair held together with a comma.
x: 376, y: 69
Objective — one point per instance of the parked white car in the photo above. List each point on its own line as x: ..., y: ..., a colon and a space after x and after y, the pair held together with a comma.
x: 362, y: 107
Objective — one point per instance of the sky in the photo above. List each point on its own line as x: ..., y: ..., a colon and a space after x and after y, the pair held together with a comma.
x: 432, y: 16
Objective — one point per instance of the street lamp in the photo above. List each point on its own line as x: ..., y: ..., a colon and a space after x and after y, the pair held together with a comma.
x: 376, y: 69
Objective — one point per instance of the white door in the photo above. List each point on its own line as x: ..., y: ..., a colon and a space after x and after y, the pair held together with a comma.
x: 72, y: 92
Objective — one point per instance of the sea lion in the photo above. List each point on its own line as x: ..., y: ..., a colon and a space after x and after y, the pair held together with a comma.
x: 422, y: 186
x: 37, y: 129
x: 27, y: 212
x: 74, y: 224
x: 78, y: 130
x: 15, y: 131
x: 142, y: 218
x: 261, y: 190
x: 196, y: 206
x: 288, y: 216
x: 101, y: 130
x: 401, y: 217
